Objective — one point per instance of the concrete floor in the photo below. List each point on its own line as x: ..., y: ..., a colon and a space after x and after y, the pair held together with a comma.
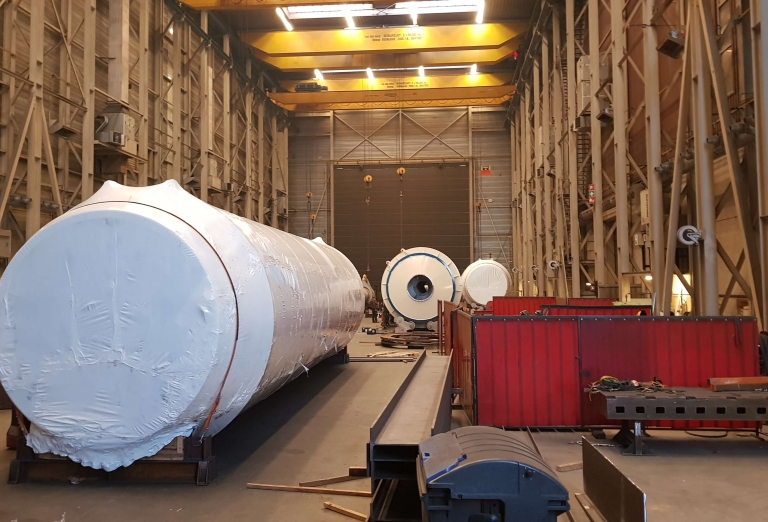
x: 317, y: 427
x: 688, y: 479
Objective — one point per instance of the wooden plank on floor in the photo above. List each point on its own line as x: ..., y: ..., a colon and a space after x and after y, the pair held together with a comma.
x: 571, y: 466
x: 345, y: 511
x: 307, y: 489
x: 329, y: 480
x: 738, y: 383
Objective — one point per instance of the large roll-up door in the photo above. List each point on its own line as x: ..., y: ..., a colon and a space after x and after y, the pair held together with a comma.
x: 434, y: 213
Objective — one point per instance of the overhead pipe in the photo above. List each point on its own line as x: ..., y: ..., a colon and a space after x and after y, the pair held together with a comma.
x: 144, y: 314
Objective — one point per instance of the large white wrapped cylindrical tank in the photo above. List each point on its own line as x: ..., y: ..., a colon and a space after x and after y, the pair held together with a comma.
x: 144, y: 314
x: 485, y: 279
x: 414, y: 281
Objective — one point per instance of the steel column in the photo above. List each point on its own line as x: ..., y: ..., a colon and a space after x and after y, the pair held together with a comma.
x: 226, y: 98
x: 705, y: 281
x: 526, y: 189
x: 89, y: 85
x: 573, y: 180
x: 557, y: 104
x: 273, y: 220
x: 536, y: 176
x: 546, y: 167
x: 596, y: 139
x: 677, y: 174
x: 260, y: 154
x: 176, y: 100
x: 144, y: 91
x: 119, y: 50
x: 653, y: 148
x: 249, y: 195
x: 35, y: 132
x: 207, y: 161
x: 620, y: 110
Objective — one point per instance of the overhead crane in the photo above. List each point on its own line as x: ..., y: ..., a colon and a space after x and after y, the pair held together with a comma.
x: 397, y: 65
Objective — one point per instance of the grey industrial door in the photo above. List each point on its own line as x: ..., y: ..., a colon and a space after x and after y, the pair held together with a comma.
x: 434, y: 212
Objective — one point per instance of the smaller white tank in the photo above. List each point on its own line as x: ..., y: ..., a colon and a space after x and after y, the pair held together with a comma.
x: 483, y: 280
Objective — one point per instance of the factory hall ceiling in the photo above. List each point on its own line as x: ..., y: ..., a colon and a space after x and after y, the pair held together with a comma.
x: 328, y: 55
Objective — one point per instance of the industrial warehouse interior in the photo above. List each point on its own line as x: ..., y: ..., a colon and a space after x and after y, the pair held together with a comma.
x: 423, y: 261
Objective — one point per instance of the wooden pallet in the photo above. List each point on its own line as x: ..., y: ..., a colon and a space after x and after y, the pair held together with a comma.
x: 184, y: 461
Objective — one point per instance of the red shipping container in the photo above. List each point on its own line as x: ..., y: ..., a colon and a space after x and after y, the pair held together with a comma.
x: 527, y: 371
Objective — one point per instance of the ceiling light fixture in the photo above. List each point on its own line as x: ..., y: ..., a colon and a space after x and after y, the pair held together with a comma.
x: 394, y: 69
x: 398, y: 9
x: 318, y: 75
x: 421, y: 71
x: 473, y: 69
x: 286, y: 23
x: 480, y: 11
x: 369, y: 72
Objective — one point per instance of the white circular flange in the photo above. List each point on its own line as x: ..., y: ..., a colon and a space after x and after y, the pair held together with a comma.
x: 416, y: 279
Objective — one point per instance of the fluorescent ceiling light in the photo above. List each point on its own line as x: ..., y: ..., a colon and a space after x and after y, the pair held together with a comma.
x: 394, y: 69
x: 399, y: 9
x: 480, y: 11
x: 318, y: 75
x: 286, y: 23
x: 473, y: 69
x: 369, y: 72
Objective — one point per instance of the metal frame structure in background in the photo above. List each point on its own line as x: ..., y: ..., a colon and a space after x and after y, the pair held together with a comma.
x: 198, y: 100
x: 698, y: 165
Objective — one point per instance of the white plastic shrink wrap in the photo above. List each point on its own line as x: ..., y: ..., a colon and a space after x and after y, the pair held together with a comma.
x: 485, y: 279
x: 144, y: 314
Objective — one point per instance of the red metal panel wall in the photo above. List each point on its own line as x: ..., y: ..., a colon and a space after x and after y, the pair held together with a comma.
x: 463, y: 370
x: 527, y: 371
x: 514, y: 305
x: 590, y: 301
x: 679, y: 351
x: 594, y: 310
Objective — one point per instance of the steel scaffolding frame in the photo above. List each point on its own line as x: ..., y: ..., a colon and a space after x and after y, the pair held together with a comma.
x: 199, y: 109
x: 694, y: 162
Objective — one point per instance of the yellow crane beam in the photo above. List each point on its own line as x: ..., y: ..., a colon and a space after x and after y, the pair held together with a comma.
x: 385, y: 40
x: 223, y: 5
x: 385, y: 61
x: 409, y: 82
x: 400, y: 99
